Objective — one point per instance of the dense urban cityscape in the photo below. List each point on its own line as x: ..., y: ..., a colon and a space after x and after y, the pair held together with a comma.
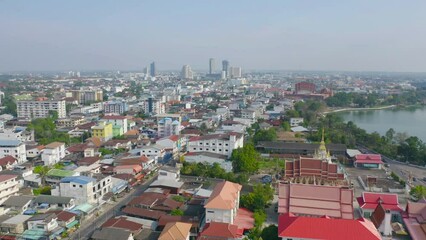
x: 146, y: 120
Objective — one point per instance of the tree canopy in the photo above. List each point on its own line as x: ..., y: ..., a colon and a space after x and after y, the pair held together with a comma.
x: 245, y: 159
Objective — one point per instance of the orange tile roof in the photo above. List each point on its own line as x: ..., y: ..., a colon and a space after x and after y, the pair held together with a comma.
x: 224, y: 196
x: 175, y: 231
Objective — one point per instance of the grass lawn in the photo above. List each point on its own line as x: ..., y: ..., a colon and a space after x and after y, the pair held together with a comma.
x: 266, y: 163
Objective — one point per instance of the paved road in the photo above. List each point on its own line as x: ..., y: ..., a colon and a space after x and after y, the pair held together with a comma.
x: 401, y: 169
x: 89, y: 226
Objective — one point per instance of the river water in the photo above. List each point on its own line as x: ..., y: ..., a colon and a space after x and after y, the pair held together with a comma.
x: 411, y: 120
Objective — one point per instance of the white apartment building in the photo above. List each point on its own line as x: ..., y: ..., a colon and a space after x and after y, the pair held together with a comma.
x: 84, y: 189
x: 40, y: 109
x: 153, y: 106
x: 294, y: 122
x: 249, y: 114
x: 8, y: 186
x: 115, y: 107
x: 117, y: 121
x: 223, y: 204
x: 53, y: 153
x: 222, y: 144
x: 168, y: 127
x: 152, y: 151
x: 14, y: 148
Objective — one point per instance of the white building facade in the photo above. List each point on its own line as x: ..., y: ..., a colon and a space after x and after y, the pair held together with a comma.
x: 40, y: 109
x: 13, y: 148
x: 222, y: 144
x: 53, y: 153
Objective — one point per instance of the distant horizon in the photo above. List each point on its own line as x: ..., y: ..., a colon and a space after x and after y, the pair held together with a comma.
x: 309, y: 35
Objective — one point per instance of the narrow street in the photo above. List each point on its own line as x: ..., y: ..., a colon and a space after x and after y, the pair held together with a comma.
x: 88, y: 226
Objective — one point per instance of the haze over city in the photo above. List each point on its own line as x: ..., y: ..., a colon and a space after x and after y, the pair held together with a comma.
x: 257, y: 35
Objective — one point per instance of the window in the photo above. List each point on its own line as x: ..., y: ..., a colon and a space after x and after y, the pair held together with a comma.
x: 207, y: 143
x: 73, y: 185
x: 210, y: 211
x: 195, y: 148
x: 201, y: 149
x: 226, y: 144
x: 81, y: 186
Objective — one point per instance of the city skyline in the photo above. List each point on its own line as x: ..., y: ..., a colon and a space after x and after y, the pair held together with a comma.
x: 383, y: 36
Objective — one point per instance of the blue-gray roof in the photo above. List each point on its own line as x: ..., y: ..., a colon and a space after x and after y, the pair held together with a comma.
x: 9, y: 143
x: 78, y: 179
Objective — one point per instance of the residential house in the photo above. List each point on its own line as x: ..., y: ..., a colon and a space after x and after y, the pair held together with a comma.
x: 54, y: 176
x: 84, y: 189
x: 14, y: 148
x: 107, y: 233
x: 128, y: 169
x: 169, y: 173
x: 119, y: 124
x: 292, y: 227
x: 103, y: 131
x: 8, y: 186
x: 222, y: 144
x: 46, y: 222
x: 172, y: 144
x: 123, y: 223
x: 66, y: 219
x: 152, y: 151
x: 7, y: 163
x: 17, y: 204
x: 34, y: 151
x: 53, y: 153
x: 53, y: 202
x: 220, y: 231
x: 176, y: 231
x: 143, y: 213
x: 294, y: 122
x: 15, y: 225
x: 223, y: 203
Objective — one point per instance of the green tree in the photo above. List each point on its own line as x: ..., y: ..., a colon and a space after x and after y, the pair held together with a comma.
x: 176, y: 212
x: 418, y: 192
x: 259, y: 198
x: 270, y: 232
x: 245, y: 159
x: 265, y: 135
x: 285, y: 126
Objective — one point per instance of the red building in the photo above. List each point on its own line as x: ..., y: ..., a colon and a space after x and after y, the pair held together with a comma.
x: 305, y: 167
x: 368, y: 203
x: 315, y: 200
x: 368, y: 161
x: 305, y: 88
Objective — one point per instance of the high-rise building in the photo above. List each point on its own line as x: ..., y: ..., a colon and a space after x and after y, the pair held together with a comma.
x: 40, y: 109
x: 153, y: 70
x: 235, y: 72
x: 225, y: 67
x: 153, y: 106
x: 87, y: 96
x: 187, y: 72
x: 212, y: 66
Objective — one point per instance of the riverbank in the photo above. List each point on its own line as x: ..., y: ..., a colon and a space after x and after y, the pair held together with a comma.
x: 358, y: 109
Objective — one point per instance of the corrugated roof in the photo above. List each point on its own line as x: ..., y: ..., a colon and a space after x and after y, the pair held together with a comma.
x: 78, y: 179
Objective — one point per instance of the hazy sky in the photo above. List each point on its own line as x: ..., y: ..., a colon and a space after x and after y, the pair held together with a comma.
x: 371, y: 35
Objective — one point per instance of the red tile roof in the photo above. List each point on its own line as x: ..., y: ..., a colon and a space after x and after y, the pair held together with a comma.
x: 187, y: 219
x: 6, y: 177
x: 147, y: 199
x: 63, y: 216
x: 174, y: 138
x: 370, y: 200
x: 218, y: 230
x: 290, y: 226
x: 7, y: 160
x: 368, y: 158
x: 244, y: 219
x: 123, y: 223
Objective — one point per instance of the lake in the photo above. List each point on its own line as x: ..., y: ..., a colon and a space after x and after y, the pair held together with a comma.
x: 411, y: 120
